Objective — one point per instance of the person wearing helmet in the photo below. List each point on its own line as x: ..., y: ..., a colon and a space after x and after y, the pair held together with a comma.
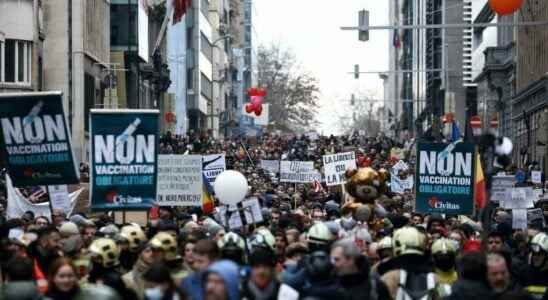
x: 130, y: 238
x: 410, y: 264
x: 319, y: 237
x: 384, y: 252
x: 232, y: 247
x: 444, y: 254
x: 535, y: 279
x: 134, y: 278
x: 105, y: 258
x: 164, y: 247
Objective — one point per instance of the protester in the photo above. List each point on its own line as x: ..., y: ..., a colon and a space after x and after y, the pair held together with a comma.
x: 309, y: 244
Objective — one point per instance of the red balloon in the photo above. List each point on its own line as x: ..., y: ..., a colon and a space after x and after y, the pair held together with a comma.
x: 505, y: 7
x: 248, y: 108
x: 258, y: 111
x: 256, y: 100
x: 252, y: 92
x: 261, y: 92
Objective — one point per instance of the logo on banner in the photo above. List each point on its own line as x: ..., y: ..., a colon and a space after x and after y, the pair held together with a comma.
x: 213, y: 165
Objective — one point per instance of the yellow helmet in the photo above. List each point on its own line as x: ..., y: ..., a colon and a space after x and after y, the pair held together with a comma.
x: 106, y: 250
x: 540, y: 242
x: 443, y: 246
x: 134, y: 235
x: 166, y: 243
x: 408, y: 240
x: 385, y: 243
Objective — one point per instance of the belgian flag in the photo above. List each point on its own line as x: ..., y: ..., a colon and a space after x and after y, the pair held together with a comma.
x: 208, y: 202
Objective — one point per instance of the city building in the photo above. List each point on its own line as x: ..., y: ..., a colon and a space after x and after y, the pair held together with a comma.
x: 57, y: 46
x: 530, y: 102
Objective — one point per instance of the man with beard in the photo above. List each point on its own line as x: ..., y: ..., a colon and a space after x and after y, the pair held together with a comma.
x: 498, y: 274
x: 46, y: 248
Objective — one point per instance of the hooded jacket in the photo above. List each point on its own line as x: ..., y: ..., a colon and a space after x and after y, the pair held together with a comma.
x: 230, y: 273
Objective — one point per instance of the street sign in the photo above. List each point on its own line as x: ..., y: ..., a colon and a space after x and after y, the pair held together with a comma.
x: 520, y: 176
x: 475, y: 122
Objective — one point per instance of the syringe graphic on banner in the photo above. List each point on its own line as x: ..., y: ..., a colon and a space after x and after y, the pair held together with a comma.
x: 443, y: 155
x: 34, y: 112
x: 122, y: 138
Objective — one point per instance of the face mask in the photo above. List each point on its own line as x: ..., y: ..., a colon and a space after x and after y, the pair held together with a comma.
x: 154, y: 293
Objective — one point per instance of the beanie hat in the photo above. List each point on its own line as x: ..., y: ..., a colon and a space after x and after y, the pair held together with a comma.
x: 68, y: 229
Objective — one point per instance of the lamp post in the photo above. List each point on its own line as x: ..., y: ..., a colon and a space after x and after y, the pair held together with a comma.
x: 212, y: 113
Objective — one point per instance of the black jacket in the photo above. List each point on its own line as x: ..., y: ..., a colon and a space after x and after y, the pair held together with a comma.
x: 470, y: 290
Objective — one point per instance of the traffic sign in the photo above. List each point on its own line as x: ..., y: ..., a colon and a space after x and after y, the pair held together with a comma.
x: 475, y: 122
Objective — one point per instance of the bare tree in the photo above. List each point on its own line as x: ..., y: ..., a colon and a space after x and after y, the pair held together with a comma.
x: 359, y: 114
x: 292, y: 92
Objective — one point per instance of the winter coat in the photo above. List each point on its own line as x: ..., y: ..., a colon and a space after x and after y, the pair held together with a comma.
x: 470, y: 290
x: 230, y: 273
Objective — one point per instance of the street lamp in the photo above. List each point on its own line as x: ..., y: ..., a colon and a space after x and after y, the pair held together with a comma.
x: 214, y: 45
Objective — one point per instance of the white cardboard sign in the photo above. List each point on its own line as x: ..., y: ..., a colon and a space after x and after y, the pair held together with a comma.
x: 179, y: 180
x: 335, y: 166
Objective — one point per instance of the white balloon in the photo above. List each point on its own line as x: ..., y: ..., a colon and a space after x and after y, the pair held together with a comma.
x: 230, y: 187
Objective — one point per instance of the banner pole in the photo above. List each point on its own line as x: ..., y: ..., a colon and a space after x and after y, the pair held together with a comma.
x: 343, y: 192
x: 124, y: 216
x: 50, y: 204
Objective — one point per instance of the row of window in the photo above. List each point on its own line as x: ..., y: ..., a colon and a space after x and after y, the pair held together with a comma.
x: 15, y: 61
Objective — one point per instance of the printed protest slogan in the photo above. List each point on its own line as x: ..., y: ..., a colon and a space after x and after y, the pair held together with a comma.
x: 298, y: 172
x: 124, y: 151
x: 36, y: 140
x: 213, y: 165
x: 179, y: 180
x: 445, y: 178
x: 272, y: 166
x: 335, y: 167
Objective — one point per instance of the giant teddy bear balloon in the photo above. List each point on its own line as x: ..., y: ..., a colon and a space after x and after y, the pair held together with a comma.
x: 366, y: 185
x: 256, y: 103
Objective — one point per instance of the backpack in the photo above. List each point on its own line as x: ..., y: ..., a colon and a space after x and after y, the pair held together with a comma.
x: 412, y: 286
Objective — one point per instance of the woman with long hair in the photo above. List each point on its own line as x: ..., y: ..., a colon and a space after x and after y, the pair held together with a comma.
x: 62, y: 280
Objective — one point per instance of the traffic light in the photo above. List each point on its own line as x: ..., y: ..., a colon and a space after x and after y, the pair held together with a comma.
x: 363, y: 21
x: 356, y: 71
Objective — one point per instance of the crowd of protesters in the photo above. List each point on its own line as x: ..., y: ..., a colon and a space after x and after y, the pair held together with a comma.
x: 306, y: 247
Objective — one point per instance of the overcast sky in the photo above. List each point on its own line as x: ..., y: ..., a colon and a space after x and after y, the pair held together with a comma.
x: 311, y: 29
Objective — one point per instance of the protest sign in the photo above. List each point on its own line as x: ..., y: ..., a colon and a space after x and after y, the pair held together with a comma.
x: 123, y: 159
x: 312, y: 135
x: 298, y: 172
x: 335, y: 167
x: 213, y: 165
x: 18, y: 204
x: 499, y: 185
x: 397, y: 153
x: 59, y: 197
x: 519, y: 218
x: 517, y: 198
x: 444, y: 178
x: 535, y: 217
x: 398, y: 185
x: 272, y: 166
x: 536, y: 177
x: 36, y: 141
x: 252, y: 213
x: 179, y: 180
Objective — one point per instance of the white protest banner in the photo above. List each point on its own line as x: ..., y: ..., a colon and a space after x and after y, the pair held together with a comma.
x: 18, y: 204
x: 179, y: 180
x: 213, y: 165
x: 59, y: 197
x: 519, y: 218
x: 499, y: 185
x: 398, y: 185
x: 270, y: 165
x: 312, y: 135
x: 335, y: 166
x: 298, y: 172
x: 252, y: 212
x: 536, y: 177
x: 518, y: 198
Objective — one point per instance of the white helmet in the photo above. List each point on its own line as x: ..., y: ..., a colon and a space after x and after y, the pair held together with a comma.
x: 408, y: 240
x: 443, y: 246
x: 385, y: 243
x: 231, y: 239
x: 540, y: 242
x: 262, y: 238
x: 319, y: 233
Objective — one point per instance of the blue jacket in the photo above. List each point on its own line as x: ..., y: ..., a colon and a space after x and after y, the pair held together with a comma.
x: 230, y: 272
x: 193, y: 286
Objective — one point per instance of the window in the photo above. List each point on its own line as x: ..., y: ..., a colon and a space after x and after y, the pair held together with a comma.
x: 206, y: 48
x: 207, y: 87
x: 15, y: 61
